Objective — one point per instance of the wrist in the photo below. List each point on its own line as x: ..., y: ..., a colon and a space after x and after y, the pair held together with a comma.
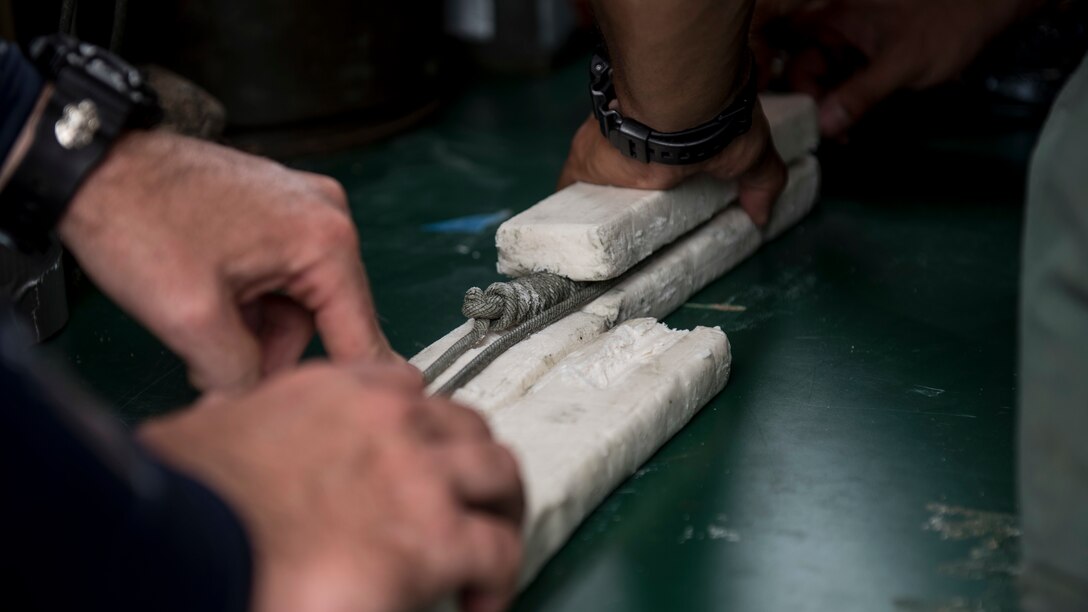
x: 673, y: 107
x: 692, y: 145
x: 678, y: 63
x: 94, y: 98
x: 104, y: 185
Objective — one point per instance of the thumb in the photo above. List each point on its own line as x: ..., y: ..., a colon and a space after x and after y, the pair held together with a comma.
x: 582, y: 147
x: 848, y: 103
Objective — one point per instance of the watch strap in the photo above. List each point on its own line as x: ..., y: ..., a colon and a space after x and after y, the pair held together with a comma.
x: 638, y: 141
x: 71, y: 138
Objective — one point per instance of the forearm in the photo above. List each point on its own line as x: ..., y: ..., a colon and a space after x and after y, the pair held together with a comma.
x: 676, y: 63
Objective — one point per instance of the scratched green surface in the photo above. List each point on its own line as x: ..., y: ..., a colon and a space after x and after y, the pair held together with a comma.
x: 872, y: 387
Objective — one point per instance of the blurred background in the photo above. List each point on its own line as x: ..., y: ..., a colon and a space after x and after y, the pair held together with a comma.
x: 294, y: 77
x: 308, y: 76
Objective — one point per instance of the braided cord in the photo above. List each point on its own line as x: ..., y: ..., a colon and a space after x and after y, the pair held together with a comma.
x: 453, y: 353
x: 502, y: 306
x: 584, y: 294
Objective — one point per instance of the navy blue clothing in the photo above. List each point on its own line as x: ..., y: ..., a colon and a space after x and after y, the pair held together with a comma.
x: 20, y: 86
x: 89, y: 521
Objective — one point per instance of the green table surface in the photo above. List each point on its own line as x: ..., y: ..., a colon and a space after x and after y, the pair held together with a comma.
x: 862, y: 455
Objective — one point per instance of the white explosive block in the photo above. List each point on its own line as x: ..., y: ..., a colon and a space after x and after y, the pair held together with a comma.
x: 581, y: 406
x: 660, y: 285
x: 598, y: 415
x: 594, y: 232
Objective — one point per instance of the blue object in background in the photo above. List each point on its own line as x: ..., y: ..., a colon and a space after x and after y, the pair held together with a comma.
x: 472, y: 224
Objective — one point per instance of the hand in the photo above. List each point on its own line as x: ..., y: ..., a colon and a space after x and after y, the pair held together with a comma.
x: 903, y: 44
x: 675, y: 65
x: 750, y: 159
x: 230, y: 259
x: 358, y: 493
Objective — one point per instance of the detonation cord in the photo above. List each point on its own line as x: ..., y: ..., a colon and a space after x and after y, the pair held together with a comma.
x: 523, y: 306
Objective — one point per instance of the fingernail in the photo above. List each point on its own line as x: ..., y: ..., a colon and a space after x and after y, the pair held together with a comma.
x: 834, y: 119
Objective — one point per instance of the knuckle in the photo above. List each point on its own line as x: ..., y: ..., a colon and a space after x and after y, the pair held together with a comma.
x: 197, y: 312
x: 331, y: 190
x: 410, y: 413
x: 320, y: 389
x: 506, y: 464
x: 753, y: 151
x: 472, y: 458
x: 341, y: 231
x: 389, y: 406
x: 468, y: 425
x: 333, y: 229
x: 473, y: 421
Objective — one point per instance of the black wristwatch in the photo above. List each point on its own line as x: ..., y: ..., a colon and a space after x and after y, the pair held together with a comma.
x: 96, y: 96
x: 638, y: 141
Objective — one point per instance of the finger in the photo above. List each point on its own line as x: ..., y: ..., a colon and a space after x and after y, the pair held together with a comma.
x: 491, y: 563
x: 762, y: 175
x: 394, y: 374
x: 566, y: 177
x: 485, y: 477
x: 335, y: 288
x: 283, y: 329
x: 844, y: 106
x: 581, y: 147
x: 348, y: 321
x: 453, y: 422
x: 210, y: 335
x: 761, y: 185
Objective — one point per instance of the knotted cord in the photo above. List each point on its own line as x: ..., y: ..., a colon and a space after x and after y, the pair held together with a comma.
x: 523, y: 306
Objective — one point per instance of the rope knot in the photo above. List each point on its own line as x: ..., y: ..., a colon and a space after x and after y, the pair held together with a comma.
x: 506, y: 305
x: 524, y: 306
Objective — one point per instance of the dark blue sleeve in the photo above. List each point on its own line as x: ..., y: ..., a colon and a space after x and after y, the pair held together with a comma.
x: 20, y: 85
x: 89, y: 521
